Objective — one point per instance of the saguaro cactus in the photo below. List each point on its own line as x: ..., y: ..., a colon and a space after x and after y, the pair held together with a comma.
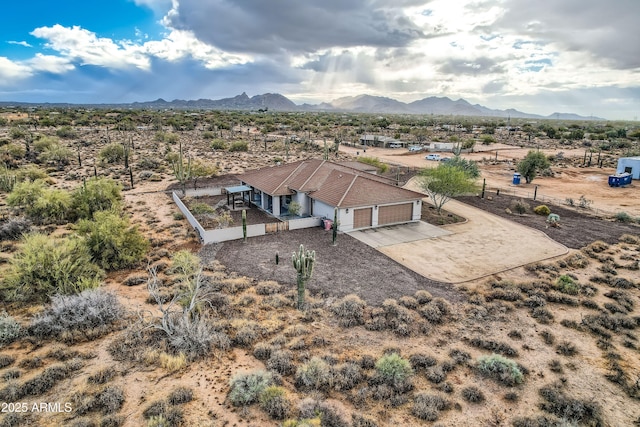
x: 181, y: 171
x: 303, y: 262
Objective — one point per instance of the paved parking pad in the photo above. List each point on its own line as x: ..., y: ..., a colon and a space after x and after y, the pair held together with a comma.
x: 397, y: 234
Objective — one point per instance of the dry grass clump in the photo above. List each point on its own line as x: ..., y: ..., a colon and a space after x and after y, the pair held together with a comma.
x: 494, y: 346
x: 577, y: 260
x: 268, y: 287
x: 102, y: 376
x: 427, y: 406
x: 472, y: 394
x: 330, y: 413
x: 576, y: 411
x: 349, y: 310
x: 180, y: 395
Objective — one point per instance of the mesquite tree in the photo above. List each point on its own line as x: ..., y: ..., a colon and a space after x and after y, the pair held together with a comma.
x: 303, y: 262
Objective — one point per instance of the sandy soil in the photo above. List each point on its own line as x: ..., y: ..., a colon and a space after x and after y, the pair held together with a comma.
x: 568, y: 182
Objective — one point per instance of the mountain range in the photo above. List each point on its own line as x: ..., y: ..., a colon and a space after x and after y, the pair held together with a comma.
x: 351, y: 104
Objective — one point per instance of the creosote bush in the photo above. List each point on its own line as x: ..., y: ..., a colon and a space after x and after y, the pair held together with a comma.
x: 46, y: 266
x: 472, y: 394
x: 567, y: 285
x: 112, y: 242
x: 427, y: 406
x: 501, y: 369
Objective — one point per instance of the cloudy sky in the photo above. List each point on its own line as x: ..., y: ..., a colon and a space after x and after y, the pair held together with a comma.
x: 541, y: 56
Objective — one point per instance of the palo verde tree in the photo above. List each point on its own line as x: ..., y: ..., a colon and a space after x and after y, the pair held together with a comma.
x: 533, y: 162
x: 304, y: 263
x: 444, y: 182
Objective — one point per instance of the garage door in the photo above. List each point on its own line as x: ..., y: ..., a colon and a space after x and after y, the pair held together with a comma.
x: 395, y: 213
x: 362, y: 218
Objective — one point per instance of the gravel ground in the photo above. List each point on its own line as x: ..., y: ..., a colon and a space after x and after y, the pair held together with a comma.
x: 349, y: 267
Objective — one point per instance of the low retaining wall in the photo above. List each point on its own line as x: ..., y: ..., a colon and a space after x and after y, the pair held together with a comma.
x: 236, y: 233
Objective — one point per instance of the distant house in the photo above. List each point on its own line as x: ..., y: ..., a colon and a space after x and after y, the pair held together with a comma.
x: 363, y: 200
x: 381, y: 141
x: 630, y: 165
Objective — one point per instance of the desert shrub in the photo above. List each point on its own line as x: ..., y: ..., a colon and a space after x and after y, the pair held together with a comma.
x: 567, y: 285
x: 435, y: 311
x: 577, y: 260
x: 246, y: 388
x: 472, y: 394
x: 194, y: 336
x: 501, y: 369
x: 53, y: 206
x: 460, y: 357
x: 239, y: 146
x: 6, y: 360
x: 393, y: 370
x: 331, y: 414
x: 171, y: 363
x: 316, y: 374
x: 349, y: 310
x: 421, y: 361
x: 10, y: 329
x: 427, y: 406
x: 56, y: 155
x: 495, y: 346
x: 262, y: 351
x: 96, y: 194
x: 436, y: 375
x: 566, y: 348
x: 630, y: 238
x: 268, y: 287
x: 102, y: 376
x: 46, y: 266
x: 623, y: 217
x: 542, y: 210
x: 25, y: 194
x: 180, y: 395
x: 9, y: 374
x: 358, y: 420
x: 274, y: 401
x: 542, y: 315
x: 423, y: 297
x: 149, y: 163
x: 88, y: 313
x: 13, y: 228
x: 347, y: 376
x: 48, y: 378
x: 218, y: 144
x: 572, y: 410
x: 109, y: 400
x: 200, y: 208
x: 519, y: 206
x: 112, y: 242
x: 112, y: 153
x: 281, y: 361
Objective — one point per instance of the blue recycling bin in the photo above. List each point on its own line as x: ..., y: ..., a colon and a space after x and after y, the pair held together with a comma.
x: 516, y: 178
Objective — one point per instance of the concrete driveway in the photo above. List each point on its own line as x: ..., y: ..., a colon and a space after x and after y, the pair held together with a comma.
x: 486, y: 244
x: 396, y: 234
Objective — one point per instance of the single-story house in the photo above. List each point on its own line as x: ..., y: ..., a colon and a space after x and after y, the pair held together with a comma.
x: 363, y: 200
x: 630, y: 165
x: 382, y: 141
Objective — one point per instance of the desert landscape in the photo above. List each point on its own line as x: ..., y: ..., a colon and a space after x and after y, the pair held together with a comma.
x: 114, y: 314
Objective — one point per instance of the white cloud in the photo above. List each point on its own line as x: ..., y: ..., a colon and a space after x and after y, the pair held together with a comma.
x: 21, y: 43
x: 49, y: 64
x: 13, y: 70
x: 78, y: 44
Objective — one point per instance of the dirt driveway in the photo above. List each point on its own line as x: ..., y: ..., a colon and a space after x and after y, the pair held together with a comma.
x: 486, y: 244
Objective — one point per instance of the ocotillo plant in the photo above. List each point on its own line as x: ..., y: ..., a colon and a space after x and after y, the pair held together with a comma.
x: 335, y: 225
x: 244, y: 225
x: 303, y: 262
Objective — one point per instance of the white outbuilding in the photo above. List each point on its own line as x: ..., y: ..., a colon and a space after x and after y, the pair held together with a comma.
x: 630, y: 165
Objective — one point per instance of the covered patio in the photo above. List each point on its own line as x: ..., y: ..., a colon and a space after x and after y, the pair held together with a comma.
x: 242, y: 201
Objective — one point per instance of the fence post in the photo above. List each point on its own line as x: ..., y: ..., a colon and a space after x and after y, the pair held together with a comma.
x: 535, y: 192
x: 484, y: 185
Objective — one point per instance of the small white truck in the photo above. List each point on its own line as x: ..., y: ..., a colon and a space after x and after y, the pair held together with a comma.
x: 432, y: 157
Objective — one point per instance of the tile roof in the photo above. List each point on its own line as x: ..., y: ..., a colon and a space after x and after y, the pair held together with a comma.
x: 332, y: 183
